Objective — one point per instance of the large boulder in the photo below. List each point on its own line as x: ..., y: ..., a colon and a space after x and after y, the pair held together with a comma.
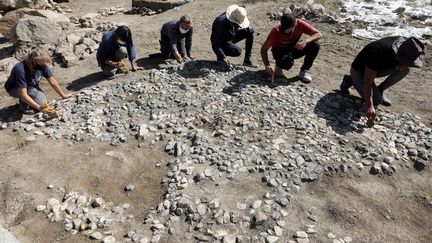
x: 37, y: 30
x: 7, y: 5
x: 57, y: 18
x: 10, y: 20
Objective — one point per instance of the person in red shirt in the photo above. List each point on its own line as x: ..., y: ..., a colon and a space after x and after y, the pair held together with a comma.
x: 284, y: 39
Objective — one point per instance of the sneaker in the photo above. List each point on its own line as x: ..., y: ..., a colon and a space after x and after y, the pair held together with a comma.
x: 305, y: 76
x: 385, y: 101
x: 29, y: 111
x: 346, y: 84
x: 249, y: 63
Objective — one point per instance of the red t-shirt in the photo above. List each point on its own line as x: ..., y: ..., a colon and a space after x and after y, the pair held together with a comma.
x: 280, y: 39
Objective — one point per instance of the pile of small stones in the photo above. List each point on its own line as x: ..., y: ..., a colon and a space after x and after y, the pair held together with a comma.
x: 221, y: 124
x: 143, y: 11
x: 310, y: 11
x: 85, y: 215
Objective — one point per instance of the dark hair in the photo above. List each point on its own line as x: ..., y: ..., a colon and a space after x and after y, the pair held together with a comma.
x: 123, y: 33
x: 287, y: 21
x: 185, y: 19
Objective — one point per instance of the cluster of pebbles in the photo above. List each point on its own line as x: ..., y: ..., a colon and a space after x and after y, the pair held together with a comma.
x: 85, y: 215
x: 224, y: 126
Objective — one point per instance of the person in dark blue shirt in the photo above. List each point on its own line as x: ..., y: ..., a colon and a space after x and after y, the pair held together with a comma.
x: 23, y: 82
x: 229, y: 28
x: 114, y: 47
x: 176, y: 39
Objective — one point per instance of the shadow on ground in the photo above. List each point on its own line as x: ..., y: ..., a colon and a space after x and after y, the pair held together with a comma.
x: 341, y: 112
x: 150, y: 62
x: 10, y: 114
x: 259, y: 78
x: 86, y: 81
x: 202, y: 68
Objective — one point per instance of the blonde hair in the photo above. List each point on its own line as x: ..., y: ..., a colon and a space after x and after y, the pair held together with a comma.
x: 37, y: 54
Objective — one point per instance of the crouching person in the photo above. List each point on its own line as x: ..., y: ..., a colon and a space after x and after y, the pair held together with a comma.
x: 284, y: 39
x: 390, y: 57
x: 229, y: 28
x: 114, y: 47
x: 176, y: 39
x: 23, y: 82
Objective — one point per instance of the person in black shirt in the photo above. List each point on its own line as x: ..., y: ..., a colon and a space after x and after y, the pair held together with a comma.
x: 176, y: 39
x: 389, y: 57
x: 229, y: 28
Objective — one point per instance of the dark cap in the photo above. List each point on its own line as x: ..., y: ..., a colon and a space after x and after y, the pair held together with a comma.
x: 287, y: 21
x: 410, y: 52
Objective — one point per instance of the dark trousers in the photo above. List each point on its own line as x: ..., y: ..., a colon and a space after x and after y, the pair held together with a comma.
x: 165, y: 47
x: 285, y: 57
x: 232, y: 50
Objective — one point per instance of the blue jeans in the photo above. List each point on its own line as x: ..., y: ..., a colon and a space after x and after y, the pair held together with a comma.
x: 35, y: 93
x: 393, y: 77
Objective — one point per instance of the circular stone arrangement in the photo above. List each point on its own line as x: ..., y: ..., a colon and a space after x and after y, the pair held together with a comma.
x: 223, y: 126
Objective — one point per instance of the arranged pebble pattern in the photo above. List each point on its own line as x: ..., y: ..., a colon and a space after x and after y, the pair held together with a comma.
x: 225, y: 125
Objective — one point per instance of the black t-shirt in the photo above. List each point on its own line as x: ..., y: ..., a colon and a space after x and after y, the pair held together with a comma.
x: 378, y: 56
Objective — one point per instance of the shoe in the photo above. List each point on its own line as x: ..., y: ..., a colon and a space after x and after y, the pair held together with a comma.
x: 29, y: 112
x: 305, y: 76
x: 346, y: 84
x: 385, y: 101
x: 248, y: 63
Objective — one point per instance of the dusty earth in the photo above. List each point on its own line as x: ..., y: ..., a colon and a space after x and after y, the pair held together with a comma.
x: 365, y: 207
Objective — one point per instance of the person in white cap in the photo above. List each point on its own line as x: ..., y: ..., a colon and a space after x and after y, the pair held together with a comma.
x: 389, y: 57
x: 228, y: 29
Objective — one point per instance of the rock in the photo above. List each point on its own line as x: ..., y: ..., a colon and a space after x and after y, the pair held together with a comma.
x: 96, y: 236
x: 376, y: 169
x: 301, y: 235
x: 256, y: 204
x: 40, y: 208
x: 260, y: 218
x: 108, y: 239
x: 331, y: 236
x: 30, y: 139
x: 278, y: 231
x: 347, y: 239
x: 98, y: 202
x: 7, y: 64
x: 389, y: 159
x: 129, y: 188
x: 37, y: 30
x: 229, y: 239
x: 52, y: 16
x: 81, y: 200
x: 184, y: 203
x: 6, y: 236
x: 69, y: 60
x: 271, y: 239
x: 214, y: 204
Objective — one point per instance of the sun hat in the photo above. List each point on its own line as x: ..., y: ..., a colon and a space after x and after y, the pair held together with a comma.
x: 410, y: 51
x: 237, y: 14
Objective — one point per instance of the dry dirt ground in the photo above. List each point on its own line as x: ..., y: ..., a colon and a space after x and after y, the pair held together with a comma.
x: 365, y: 207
